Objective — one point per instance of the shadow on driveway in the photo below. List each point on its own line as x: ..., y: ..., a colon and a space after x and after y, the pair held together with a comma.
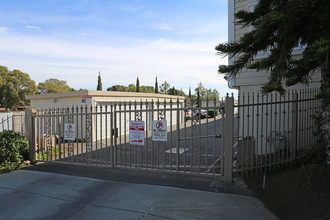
x: 185, y: 181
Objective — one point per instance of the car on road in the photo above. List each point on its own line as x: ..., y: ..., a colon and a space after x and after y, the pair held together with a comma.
x: 195, y: 114
x: 200, y: 113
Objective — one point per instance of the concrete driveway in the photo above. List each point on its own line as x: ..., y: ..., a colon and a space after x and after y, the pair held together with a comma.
x: 32, y: 194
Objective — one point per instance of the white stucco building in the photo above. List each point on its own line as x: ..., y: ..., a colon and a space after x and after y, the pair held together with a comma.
x: 126, y: 105
x: 251, y: 80
x: 267, y: 124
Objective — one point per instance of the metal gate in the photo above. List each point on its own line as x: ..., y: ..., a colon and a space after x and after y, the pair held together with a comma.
x: 275, y: 131
x: 100, y: 135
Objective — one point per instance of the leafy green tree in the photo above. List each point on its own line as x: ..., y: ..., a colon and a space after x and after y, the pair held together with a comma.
x: 156, y: 86
x: 132, y: 88
x: 174, y: 91
x: 14, y: 86
x: 189, y: 92
x: 137, y: 84
x: 164, y: 87
x: 204, y: 94
x: 3, y: 70
x: 192, y: 100
x: 201, y: 92
x: 99, y: 82
x: 181, y: 93
x: 147, y: 89
x: 117, y: 88
x: 53, y: 86
x: 278, y: 27
x: 212, y: 94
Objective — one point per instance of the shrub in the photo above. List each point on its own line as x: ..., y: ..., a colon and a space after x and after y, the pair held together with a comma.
x: 13, y: 149
x: 213, y: 112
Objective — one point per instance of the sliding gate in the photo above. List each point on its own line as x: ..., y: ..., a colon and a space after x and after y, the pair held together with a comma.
x: 104, y: 135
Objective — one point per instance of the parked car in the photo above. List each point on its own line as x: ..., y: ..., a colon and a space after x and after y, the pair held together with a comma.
x: 202, y: 113
x: 195, y: 114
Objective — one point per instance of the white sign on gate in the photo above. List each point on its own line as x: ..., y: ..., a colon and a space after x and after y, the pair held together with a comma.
x: 86, y: 99
x: 136, y: 132
x: 69, y: 132
x: 159, y: 130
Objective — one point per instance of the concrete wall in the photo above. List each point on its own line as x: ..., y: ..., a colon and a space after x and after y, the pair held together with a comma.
x: 12, y: 121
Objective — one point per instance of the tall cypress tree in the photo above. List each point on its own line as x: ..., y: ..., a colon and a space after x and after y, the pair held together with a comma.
x: 99, y: 82
x: 189, y: 92
x: 198, y: 98
x: 137, y: 84
x: 156, y: 86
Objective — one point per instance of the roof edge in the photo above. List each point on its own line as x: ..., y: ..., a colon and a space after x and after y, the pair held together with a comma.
x: 102, y: 94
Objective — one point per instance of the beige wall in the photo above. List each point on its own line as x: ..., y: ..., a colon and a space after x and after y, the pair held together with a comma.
x: 55, y: 102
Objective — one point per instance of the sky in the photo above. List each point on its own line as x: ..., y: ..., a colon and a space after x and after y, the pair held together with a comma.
x: 122, y: 39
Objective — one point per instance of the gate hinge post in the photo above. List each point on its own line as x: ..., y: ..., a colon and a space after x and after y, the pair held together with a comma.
x: 229, y: 133
x: 31, y: 133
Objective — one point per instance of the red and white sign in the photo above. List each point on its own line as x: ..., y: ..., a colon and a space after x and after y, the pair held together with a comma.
x: 86, y: 99
x: 159, y: 130
x: 136, y: 132
x: 69, y: 132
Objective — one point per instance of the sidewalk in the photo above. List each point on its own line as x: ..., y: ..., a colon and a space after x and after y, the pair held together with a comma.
x: 32, y: 194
